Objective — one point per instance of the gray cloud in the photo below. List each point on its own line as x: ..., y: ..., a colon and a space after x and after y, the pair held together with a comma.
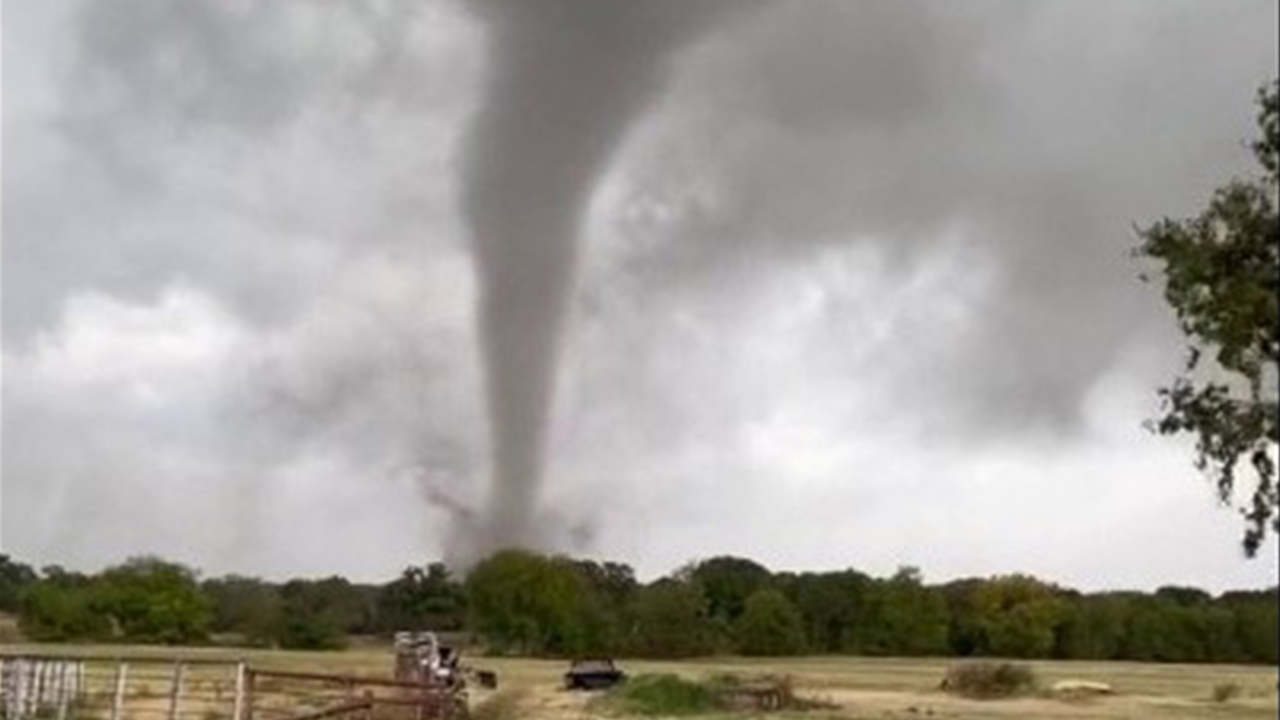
x: 1041, y: 154
x: 848, y: 245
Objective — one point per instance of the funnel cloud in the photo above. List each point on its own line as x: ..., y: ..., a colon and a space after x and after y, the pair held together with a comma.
x: 567, y: 80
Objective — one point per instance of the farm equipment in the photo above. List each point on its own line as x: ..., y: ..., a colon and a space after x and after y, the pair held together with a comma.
x: 421, y: 658
x: 593, y: 674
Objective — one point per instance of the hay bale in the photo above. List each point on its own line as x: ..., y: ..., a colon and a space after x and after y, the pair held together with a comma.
x: 1081, y: 688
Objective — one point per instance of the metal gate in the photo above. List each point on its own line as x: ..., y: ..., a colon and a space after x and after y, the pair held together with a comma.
x: 312, y: 696
x: 105, y: 688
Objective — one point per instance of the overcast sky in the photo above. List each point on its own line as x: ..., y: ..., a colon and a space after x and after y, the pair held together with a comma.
x: 855, y: 289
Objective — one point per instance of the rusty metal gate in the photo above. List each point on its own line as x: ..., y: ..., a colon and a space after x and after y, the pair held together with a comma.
x: 108, y: 688
x: 272, y: 695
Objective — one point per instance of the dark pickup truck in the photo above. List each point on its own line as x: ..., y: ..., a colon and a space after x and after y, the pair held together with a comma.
x: 593, y: 674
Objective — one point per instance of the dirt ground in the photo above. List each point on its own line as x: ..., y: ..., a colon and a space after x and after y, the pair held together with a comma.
x: 856, y: 688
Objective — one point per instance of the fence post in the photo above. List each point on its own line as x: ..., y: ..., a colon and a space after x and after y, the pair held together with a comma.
x: 22, y: 681
x: 175, y: 690
x: 250, y: 686
x: 41, y: 670
x: 122, y: 678
x: 12, y: 685
x: 33, y: 687
x: 237, y: 712
x: 64, y: 689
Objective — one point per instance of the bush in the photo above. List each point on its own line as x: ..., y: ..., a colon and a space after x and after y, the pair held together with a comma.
x: 664, y: 695
x: 61, y: 610
x: 762, y: 693
x: 302, y: 633
x: 988, y: 681
x: 1226, y: 692
x: 669, y: 695
x: 150, y: 600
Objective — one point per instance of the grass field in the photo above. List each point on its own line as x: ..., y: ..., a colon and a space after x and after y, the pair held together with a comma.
x: 857, y: 688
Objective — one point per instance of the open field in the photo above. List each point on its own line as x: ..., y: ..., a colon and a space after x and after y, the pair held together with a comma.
x: 859, y: 688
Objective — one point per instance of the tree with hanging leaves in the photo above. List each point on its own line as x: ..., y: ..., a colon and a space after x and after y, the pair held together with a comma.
x: 1221, y: 274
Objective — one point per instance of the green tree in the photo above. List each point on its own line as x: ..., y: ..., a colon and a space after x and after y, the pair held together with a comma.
x: 966, y: 634
x: 321, y: 614
x: 828, y: 602
x: 62, y: 606
x: 1160, y: 630
x: 422, y: 599
x: 154, y: 601
x: 1217, y: 626
x: 14, y: 578
x: 615, y: 583
x: 770, y: 625
x: 902, y: 617
x: 1094, y: 627
x: 530, y: 604
x: 671, y: 620
x: 1257, y: 617
x: 612, y: 589
x: 1019, y: 616
x: 249, y: 607
x: 1221, y: 274
x: 728, y: 582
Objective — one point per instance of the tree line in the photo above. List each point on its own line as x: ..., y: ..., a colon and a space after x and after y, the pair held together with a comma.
x: 518, y: 602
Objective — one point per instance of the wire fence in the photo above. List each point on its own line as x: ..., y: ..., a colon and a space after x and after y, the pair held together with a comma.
x: 101, y: 688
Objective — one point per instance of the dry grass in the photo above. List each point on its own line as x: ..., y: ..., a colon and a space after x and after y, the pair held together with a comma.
x: 504, y: 705
x: 10, y: 634
x: 859, y: 688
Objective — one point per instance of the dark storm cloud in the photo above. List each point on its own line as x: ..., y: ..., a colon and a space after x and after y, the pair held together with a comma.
x: 901, y: 123
x: 193, y: 120
x: 834, y: 237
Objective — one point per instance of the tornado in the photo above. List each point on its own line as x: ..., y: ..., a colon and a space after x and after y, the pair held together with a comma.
x: 566, y: 80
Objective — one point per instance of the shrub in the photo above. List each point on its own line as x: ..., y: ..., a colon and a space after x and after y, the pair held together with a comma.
x: 1226, y: 692
x: 989, y: 680
x: 767, y: 693
x: 664, y: 695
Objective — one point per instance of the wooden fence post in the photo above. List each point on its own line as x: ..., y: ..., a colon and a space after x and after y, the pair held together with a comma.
x: 250, y: 688
x: 11, y: 673
x: 42, y: 668
x: 237, y: 712
x: 175, y: 690
x: 64, y: 688
x: 122, y: 679
x: 21, y: 682
x: 29, y: 695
